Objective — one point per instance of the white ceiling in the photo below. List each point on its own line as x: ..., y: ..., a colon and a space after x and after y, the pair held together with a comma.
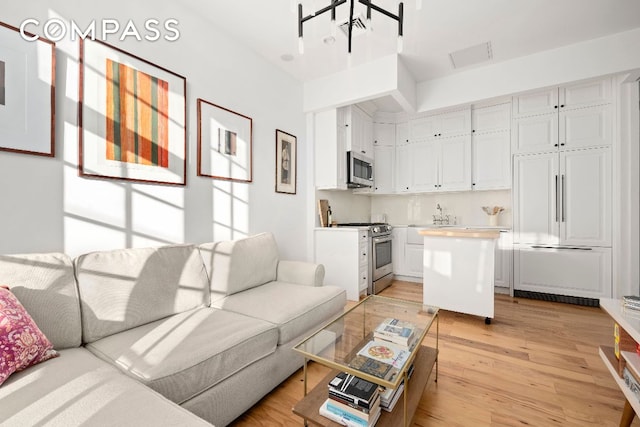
x: 513, y: 27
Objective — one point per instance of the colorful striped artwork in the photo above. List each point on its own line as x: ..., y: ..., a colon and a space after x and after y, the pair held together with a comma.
x: 137, y: 116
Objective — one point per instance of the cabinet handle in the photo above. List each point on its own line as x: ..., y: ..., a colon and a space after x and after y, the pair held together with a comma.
x: 555, y: 106
x: 573, y: 248
x: 556, y: 197
x: 435, y: 185
x: 555, y: 145
x: 473, y: 184
x: 435, y: 134
x: 562, y: 106
x: 562, y: 144
x: 439, y: 134
x: 363, y: 152
x: 564, y: 198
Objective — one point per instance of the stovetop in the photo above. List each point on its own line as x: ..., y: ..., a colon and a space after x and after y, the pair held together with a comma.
x: 375, y: 228
x: 360, y: 224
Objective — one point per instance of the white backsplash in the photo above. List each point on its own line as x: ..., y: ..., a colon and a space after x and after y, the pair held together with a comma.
x: 465, y: 206
x: 345, y: 206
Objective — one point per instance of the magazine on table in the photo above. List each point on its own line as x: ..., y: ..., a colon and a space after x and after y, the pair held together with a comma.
x: 386, y: 352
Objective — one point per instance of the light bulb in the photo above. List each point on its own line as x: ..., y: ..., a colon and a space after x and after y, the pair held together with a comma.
x: 400, y: 44
x: 300, y: 45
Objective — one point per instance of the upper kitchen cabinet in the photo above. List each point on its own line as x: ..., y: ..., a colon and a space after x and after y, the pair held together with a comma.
x: 574, y: 116
x: 336, y: 132
x: 383, y: 174
x: 384, y: 134
x: 445, y: 125
x: 491, y: 147
x: 402, y: 133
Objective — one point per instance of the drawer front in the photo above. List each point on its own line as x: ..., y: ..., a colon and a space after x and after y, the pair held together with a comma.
x: 363, y: 278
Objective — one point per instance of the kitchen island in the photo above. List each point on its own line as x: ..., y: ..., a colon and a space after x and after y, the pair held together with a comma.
x: 458, y: 269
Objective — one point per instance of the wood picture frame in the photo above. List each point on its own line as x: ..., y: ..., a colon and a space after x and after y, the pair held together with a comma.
x: 131, y: 117
x: 27, y: 93
x: 225, y: 143
x: 286, y: 162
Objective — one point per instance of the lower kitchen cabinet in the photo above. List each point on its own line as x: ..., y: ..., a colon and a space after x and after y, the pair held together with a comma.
x: 503, y: 264
x: 573, y: 271
x: 345, y: 254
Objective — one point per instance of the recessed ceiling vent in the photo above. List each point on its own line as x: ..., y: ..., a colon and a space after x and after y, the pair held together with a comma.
x: 359, y: 26
x: 471, y: 55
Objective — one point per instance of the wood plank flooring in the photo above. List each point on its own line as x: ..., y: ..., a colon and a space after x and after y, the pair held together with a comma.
x: 537, y: 364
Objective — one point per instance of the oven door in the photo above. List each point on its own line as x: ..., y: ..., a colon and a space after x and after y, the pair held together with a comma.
x: 381, y: 256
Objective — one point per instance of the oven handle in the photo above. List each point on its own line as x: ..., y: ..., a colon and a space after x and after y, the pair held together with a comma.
x: 382, y: 239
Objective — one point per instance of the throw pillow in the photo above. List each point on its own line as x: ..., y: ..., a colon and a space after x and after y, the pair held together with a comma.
x: 22, y: 343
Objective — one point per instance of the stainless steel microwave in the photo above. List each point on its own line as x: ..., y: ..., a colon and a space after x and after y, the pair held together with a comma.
x: 359, y: 170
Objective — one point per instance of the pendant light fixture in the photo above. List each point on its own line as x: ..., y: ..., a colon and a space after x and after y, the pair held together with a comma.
x: 332, y: 8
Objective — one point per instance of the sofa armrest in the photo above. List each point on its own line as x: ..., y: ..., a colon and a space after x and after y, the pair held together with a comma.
x: 299, y: 272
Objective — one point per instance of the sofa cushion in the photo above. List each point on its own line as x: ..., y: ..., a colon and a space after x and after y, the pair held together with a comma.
x: 295, y: 309
x: 22, y: 343
x: 125, y: 288
x: 79, y: 389
x: 183, y: 355
x: 46, y: 287
x: 236, y: 265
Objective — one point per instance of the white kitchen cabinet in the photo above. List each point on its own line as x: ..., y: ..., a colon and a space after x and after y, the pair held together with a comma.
x: 580, y: 272
x: 402, y: 133
x: 384, y: 134
x: 543, y: 101
x: 330, y: 134
x: 455, y: 164
x: 503, y: 263
x: 535, y: 134
x: 383, y: 172
x: 491, y: 154
x: 399, y: 236
x: 403, y: 169
x: 424, y: 160
x: 414, y: 255
x: 441, y: 125
x: 345, y: 254
x: 360, y: 130
x: 563, y: 198
x: 495, y: 118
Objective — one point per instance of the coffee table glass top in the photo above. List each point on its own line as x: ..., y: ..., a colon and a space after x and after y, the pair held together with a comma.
x: 348, y: 343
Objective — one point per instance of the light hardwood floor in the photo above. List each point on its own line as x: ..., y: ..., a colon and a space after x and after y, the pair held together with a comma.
x: 537, y: 364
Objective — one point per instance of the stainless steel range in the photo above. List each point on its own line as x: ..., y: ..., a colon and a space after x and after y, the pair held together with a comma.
x: 380, y: 244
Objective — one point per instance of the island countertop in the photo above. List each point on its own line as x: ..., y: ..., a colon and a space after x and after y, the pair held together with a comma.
x: 469, y: 233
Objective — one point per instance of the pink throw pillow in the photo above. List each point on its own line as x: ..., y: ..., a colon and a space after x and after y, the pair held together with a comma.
x: 22, y: 343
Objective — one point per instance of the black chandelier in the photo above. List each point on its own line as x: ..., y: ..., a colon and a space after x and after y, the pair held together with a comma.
x: 332, y: 8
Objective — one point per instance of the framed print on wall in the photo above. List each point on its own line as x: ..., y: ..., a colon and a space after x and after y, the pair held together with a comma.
x: 286, y: 162
x: 132, y: 117
x: 27, y: 93
x: 225, y: 143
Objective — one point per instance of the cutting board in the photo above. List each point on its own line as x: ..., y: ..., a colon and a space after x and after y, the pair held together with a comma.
x: 323, y: 211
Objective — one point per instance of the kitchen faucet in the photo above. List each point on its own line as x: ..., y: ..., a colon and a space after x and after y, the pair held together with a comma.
x: 440, y: 219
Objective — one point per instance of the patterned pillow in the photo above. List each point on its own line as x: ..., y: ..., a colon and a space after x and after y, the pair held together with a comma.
x: 22, y: 343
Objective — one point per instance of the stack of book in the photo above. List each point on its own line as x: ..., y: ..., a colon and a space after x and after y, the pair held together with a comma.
x: 631, y: 301
x: 396, y: 331
x: 390, y: 396
x: 352, y: 401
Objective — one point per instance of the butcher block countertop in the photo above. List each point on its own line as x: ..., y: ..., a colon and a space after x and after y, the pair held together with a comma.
x: 469, y: 233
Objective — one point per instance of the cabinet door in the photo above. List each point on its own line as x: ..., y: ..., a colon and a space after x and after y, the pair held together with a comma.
x: 366, y: 146
x: 384, y: 134
x: 414, y: 256
x: 581, y: 273
x: 399, y: 235
x: 586, y: 197
x: 402, y: 170
x: 402, y: 133
x: 455, y: 163
x: 491, y: 154
x: 584, y: 94
x: 503, y: 263
x: 535, y: 134
x: 355, y: 125
x: 424, y: 159
x: 454, y: 123
x: 383, y: 169
x: 491, y: 119
x: 535, y: 103
x: 423, y: 128
x: 535, y: 198
x: 586, y: 127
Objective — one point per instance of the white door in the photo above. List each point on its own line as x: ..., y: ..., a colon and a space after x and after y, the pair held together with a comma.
x: 402, y: 170
x: 383, y: 169
x: 455, y: 163
x: 423, y: 128
x: 384, y: 134
x: 535, y: 103
x: 491, y: 119
x: 586, y: 127
x: 424, y: 159
x: 402, y: 133
x: 535, y: 134
x: 536, y: 188
x: 454, y: 123
x: 585, y: 209
x: 491, y: 154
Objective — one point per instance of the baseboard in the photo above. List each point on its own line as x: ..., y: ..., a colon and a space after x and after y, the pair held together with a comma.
x: 589, y: 302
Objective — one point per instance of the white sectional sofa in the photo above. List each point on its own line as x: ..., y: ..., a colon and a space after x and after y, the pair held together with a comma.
x: 175, y: 335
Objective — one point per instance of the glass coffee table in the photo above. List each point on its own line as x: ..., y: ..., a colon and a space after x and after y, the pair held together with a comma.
x: 346, y: 345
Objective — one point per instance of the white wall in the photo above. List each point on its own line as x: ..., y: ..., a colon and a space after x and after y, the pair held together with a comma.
x: 465, y: 206
x: 345, y: 206
x: 46, y: 206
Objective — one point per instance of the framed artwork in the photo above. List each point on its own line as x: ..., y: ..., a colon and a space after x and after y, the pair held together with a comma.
x: 224, y: 143
x: 27, y: 93
x: 132, y: 117
x: 286, y: 162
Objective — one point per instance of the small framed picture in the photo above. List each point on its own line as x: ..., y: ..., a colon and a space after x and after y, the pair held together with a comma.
x: 27, y: 93
x: 286, y: 162
x: 224, y: 143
